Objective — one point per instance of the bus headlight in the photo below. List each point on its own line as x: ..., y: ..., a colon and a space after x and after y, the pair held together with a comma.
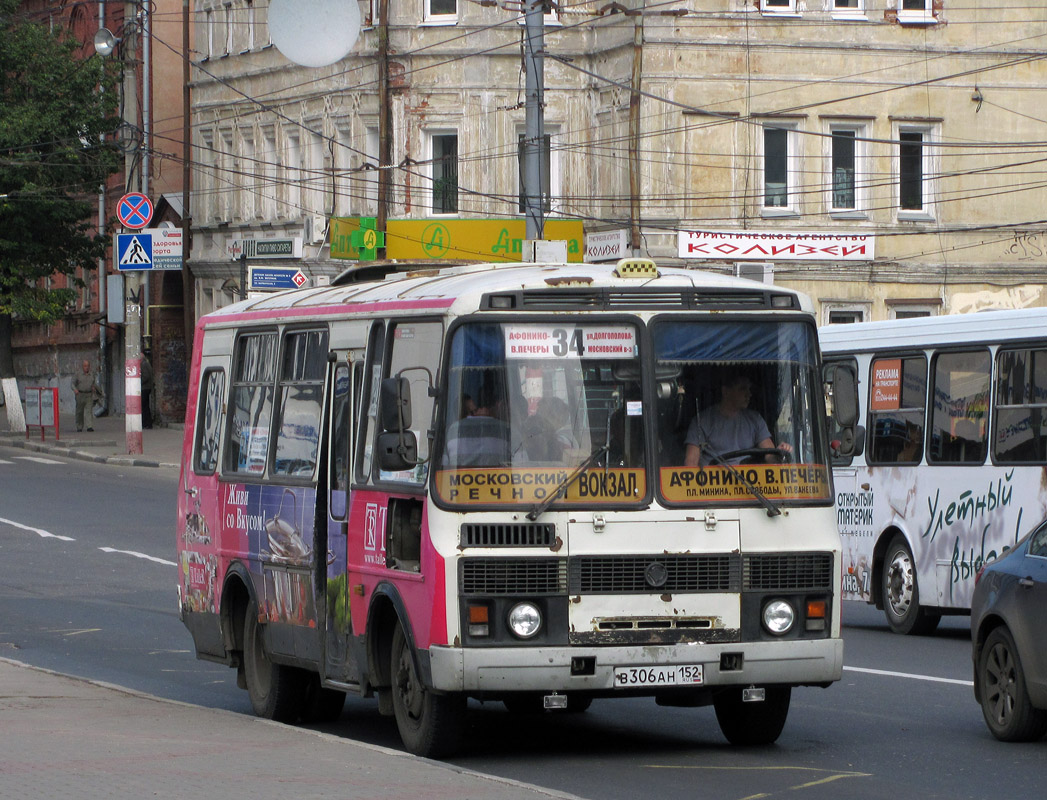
x: 778, y: 617
x: 525, y: 620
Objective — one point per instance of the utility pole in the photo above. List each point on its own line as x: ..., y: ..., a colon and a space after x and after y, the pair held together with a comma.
x: 385, y: 134
x: 133, y: 300
x: 534, y: 109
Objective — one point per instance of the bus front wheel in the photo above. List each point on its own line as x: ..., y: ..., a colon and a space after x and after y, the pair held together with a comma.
x: 901, y: 592
x: 430, y: 725
x: 759, y: 723
x: 276, y: 690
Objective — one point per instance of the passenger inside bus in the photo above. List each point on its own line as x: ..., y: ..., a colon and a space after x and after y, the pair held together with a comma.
x: 481, y: 437
x: 729, y: 426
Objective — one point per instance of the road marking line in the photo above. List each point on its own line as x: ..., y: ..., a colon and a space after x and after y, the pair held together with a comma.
x: 892, y: 674
x: 41, y: 533
x: 38, y: 459
x: 139, y: 555
x: 5, y: 461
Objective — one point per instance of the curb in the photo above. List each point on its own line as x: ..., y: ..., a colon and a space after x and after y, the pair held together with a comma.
x: 17, y: 440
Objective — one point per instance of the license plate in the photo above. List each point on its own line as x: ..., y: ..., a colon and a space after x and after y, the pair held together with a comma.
x: 673, y: 675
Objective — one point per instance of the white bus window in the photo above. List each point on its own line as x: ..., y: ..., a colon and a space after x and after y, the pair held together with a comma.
x: 960, y: 412
x: 897, y: 401
x: 415, y: 345
x: 208, y: 423
x: 1021, y: 407
x: 301, y: 390
x: 251, y: 403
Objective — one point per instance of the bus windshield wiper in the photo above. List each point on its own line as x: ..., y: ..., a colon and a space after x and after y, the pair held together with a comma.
x: 540, y: 508
x: 772, y: 509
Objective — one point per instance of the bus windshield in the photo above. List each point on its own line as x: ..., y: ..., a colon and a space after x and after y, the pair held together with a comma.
x: 528, y: 403
x: 737, y: 412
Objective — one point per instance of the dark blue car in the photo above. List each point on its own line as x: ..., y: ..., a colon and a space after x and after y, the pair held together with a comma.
x: 1009, y: 635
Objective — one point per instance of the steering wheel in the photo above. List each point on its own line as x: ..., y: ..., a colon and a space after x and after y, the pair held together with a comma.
x: 753, y: 452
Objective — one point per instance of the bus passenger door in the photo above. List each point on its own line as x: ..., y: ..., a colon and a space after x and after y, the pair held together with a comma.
x: 344, y: 376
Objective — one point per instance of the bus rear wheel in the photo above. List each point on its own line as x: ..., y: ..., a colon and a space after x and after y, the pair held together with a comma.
x: 276, y: 690
x: 901, y: 593
x: 430, y: 725
x: 750, y: 724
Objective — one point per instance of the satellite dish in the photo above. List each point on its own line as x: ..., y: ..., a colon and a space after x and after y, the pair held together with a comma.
x: 314, y: 33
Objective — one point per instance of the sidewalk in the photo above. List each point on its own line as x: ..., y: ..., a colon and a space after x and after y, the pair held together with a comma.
x: 72, y: 738
x: 107, y: 443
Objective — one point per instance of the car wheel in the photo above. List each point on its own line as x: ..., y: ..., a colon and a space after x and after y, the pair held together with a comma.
x: 901, y: 592
x: 752, y: 723
x: 1005, y: 700
x: 431, y: 725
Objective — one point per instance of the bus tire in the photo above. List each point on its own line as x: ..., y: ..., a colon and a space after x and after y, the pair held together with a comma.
x: 1006, y: 706
x: 321, y: 704
x: 431, y: 725
x: 752, y: 724
x: 901, y: 592
x: 276, y: 690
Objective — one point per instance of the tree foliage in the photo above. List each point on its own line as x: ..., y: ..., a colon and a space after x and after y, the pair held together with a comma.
x: 57, y: 110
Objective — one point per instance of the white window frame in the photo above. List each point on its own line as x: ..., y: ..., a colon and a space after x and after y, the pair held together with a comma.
x: 227, y: 16
x: 430, y: 172
x: 859, y: 309
x: 249, y: 14
x: 555, y: 169
x: 929, y: 169
x: 861, y: 168
x: 268, y: 190
x: 249, y: 178
x: 913, y: 308
x: 856, y: 12
x: 291, y: 176
x: 793, y: 169
x: 429, y: 17
x: 782, y: 8
x: 209, y: 23
x: 917, y: 16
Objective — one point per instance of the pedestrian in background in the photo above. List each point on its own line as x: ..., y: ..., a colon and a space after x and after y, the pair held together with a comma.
x: 85, y: 392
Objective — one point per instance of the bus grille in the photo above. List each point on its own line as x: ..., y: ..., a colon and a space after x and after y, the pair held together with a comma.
x: 505, y: 576
x: 788, y: 571
x: 647, y: 574
x: 512, y: 534
x: 685, y: 298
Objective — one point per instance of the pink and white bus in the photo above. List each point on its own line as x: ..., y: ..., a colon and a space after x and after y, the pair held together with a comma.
x: 465, y: 483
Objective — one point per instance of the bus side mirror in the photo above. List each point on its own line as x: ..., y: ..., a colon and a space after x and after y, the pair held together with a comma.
x: 396, y: 404
x: 842, y: 383
x: 397, y: 450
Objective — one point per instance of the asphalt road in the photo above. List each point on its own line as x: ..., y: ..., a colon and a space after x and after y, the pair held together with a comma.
x: 87, y: 587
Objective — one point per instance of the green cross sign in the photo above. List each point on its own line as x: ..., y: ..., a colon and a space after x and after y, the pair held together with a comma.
x: 366, y: 239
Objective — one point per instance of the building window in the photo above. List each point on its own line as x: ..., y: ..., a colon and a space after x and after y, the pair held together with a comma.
x: 916, y: 11
x: 550, y: 172
x: 908, y: 309
x: 848, y: 8
x: 914, y: 172
x: 842, y: 312
x: 780, y: 169
x: 445, y: 173
x: 843, y: 169
x: 443, y: 12
x: 778, y: 6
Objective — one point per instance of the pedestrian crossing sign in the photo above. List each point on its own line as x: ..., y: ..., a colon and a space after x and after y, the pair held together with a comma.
x: 134, y: 251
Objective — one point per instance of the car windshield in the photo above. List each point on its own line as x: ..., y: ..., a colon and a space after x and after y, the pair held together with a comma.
x: 527, y: 403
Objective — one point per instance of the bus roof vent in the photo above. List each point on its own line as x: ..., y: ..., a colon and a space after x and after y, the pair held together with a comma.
x: 636, y: 268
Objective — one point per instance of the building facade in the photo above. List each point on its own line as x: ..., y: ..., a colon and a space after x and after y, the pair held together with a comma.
x: 883, y: 156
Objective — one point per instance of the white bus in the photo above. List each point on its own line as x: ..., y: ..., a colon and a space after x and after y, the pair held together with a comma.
x: 469, y: 482
x: 949, y: 467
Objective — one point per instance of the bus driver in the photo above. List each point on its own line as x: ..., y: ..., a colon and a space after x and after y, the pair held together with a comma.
x: 728, y: 426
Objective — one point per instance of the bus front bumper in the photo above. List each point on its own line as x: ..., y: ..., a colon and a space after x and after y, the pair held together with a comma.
x: 565, y: 669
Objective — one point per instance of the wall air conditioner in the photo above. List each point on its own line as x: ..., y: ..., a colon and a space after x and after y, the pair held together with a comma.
x: 315, y: 228
x: 755, y: 271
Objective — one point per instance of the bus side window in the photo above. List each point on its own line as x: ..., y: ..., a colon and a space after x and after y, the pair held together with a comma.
x: 370, y: 392
x: 897, y: 401
x: 209, y: 421
x: 961, y: 404
x: 1020, y: 435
